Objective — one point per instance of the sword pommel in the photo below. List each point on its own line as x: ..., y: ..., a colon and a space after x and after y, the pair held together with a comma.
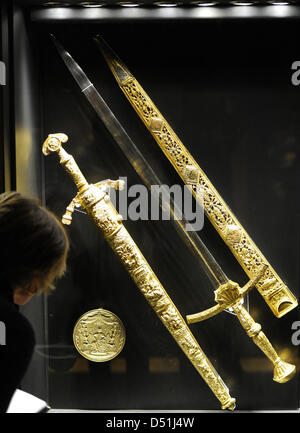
x: 53, y: 143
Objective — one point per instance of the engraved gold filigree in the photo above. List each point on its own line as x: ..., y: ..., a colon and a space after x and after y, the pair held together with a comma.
x: 275, y: 292
x: 95, y: 201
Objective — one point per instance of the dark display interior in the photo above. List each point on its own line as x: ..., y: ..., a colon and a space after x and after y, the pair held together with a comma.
x: 225, y: 88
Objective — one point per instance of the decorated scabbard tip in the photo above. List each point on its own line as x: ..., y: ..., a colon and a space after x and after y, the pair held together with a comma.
x: 102, y: 44
x: 120, y: 71
x: 54, y: 142
x: 229, y: 404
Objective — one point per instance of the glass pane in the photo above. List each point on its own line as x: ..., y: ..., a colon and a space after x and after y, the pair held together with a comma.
x: 237, y: 114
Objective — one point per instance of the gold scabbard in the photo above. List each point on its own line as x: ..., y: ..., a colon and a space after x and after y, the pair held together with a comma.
x: 96, y: 202
x: 274, y: 291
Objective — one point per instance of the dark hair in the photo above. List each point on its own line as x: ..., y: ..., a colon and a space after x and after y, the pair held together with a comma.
x: 33, y: 242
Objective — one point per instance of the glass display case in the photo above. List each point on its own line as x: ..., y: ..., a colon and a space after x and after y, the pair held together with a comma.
x: 224, y: 76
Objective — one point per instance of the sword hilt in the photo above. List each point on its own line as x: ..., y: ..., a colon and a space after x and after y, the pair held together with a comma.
x: 230, y: 295
x: 283, y: 371
x: 53, y: 143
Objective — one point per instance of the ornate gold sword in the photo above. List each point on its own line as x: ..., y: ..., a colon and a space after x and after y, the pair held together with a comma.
x: 230, y: 295
x: 274, y: 291
x: 93, y: 198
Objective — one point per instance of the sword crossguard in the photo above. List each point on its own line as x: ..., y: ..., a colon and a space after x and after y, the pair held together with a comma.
x: 67, y: 217
x: 118, y: 185
x: 104, y: 185
x: 227, y: 295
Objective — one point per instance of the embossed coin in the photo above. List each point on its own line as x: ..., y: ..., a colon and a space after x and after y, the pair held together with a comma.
x: 99, y: 335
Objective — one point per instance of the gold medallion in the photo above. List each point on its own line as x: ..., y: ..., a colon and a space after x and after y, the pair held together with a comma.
x: 99, y: 335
